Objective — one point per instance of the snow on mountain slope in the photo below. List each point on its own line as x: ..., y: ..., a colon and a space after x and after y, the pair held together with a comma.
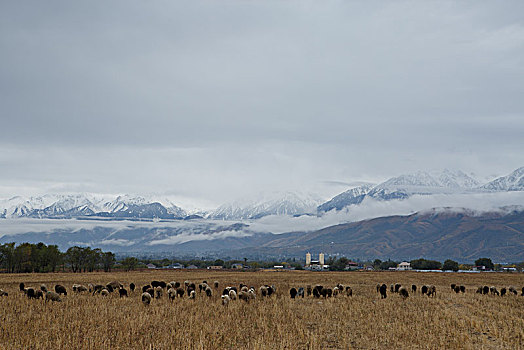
x: 288, y: 203
x: 511, y: 182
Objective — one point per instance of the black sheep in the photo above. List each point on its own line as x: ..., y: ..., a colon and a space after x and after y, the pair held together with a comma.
x: 145, y: 288
x: 414, y: 288
x: 122, y: 292
x: 424, y: 289
x: 485, y: 290
x: 383, y: 291
x: 462, y: 289
x: 397, y: 287
x: 60, y: 289
x: 293, y: 292
x: 301, y: 292
x: 132, y: 287
x: 21, y: 286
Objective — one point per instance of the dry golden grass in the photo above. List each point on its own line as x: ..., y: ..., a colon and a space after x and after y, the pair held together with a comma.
x: 364, y: 321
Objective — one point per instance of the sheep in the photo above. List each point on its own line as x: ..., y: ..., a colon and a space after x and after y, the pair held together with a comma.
x: 462, y: 289
x: 456, y: 289
x: 161, y: 284
x: 349, y: 291
x: 493, y: 290
x: 151, y: 292
x: 39, y: 294
x: 432, y: 291
x: 503, y: 292
x: 308, y: 290
x: 414, y: 288
x: 512, y: 290
x: 158, y: 292
x: 109, y: 288
x: 392, y: 288
x: 263, y: 291
x: 397, y: 287
x: 480, y: 289
x: 186, y: 283
x: 317, y: 291
x: 146, y: 298
x: 293, y: 292
x: 252, y: 294
x: 114, y: 285
x: 171, y: 293
x: 271, y: 290
x: 80, y: 288
x: 30, y: 293
x: 132, y: 287
x: 176, y: 285
x: 97, y: 288
x: 104, y: 292
x: 233, y: 294
x: 3, y: 293
x: 403, y: 292
x: 329, y: 292
x: 60, y: 289
x: 225, y: 300
x: 209, y: 291
x: 335, y: 291
x: 123, y: 292
x: 192, y: 294
x: 215, y: 284
x: 424, y: 289
x: 180, y: 292
x: 145, y: 288
x: 453, y: 285
x: 244, y: 289
x: 22, y: 287
x: 53, y: 296
x: 485, y: 290
x: 242, y: 295
x: 383, y: 291
x: 301, y: 292
x: 43, y: 288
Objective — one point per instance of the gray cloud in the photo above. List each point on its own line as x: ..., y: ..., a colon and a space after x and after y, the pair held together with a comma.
x: 210, y: 100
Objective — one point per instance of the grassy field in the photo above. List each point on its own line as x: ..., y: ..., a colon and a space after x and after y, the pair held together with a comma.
x: 364, y: 321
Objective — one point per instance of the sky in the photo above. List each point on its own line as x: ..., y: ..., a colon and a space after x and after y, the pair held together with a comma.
x: 208, y: 101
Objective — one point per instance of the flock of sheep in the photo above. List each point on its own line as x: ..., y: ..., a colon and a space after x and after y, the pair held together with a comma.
x: 156, y: 289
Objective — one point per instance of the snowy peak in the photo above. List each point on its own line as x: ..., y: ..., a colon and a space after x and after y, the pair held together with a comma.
x: 352, y: 196
x: 511, y: 182
x: 288, y: 203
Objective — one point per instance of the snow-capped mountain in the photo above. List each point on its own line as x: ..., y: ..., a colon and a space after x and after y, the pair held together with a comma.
x: 404, y: 186
x: 76, y: 205
x: 288, y: 203
x: 511, y: 182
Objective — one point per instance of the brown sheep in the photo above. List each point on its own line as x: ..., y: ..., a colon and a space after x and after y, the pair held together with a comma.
x: 403, y: 292
x: 60, y: 289
x: 432, y: 291
x: 349, y: 291
x: 53, y: 296
x: 216, y: 284
x: 180, y: 292
x: 308, y: 290
x: 263, y: 291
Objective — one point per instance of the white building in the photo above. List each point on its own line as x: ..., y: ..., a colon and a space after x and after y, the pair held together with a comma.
x: 315, y: 264
x: 404, y: 266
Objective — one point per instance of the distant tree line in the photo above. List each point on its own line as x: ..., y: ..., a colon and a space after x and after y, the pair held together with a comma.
x: 29, y: 257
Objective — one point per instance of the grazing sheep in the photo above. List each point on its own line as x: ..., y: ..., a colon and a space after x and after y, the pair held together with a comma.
x: 403, y: 292
x: 335, y: 291
x: 244, y: 289
x: 293, y: 292
x: 132, y: 287
x: 91, y: 286
x: 158, y: 292
x: 114, y: 285
x: 462, y: 289
x: 485, y: 290
x: 209, y: 291
x: 453, y: 285
x: 456, y: 289
x: 225, y: 291
x: 232, y: 294
x: 383, y: 291
x: 192, y: 294
x: 22, y: 287
x: 493, y: 290
x: 252, y: 294
x: 109, y: 288
x: 397, y: 287
x: 392, y: 288
x: 123, y: 292
x: 53, y: 296
x: 160, y: 284
x: 503, y: 292
x: 225, y: 300
x: 263, y: 291
x: 186, y: 283
x: 171, y: 293
x: 329, y: 292
x: 3, y: 293
x: 414, y: 288
x: 424, y: 289
x: 80, y: 288
x: 43, y: 288
x: 191, y: 286
x: 104, y: 292
x: 97, y: 289
x: 215, y: 284
x: 308, y: 290
x: 177, y: 284
x: 301, y: 292
x: 271, y: 290
x: 145, y: 288
x: 151, y: 292
x: 349, y: 291
x: 513, y: 290
x: 479, y: 290
x: 146, y: 298
x: 244, y: 296
x: 60, y: 289
x: 432, y: 291
x: 30, y: 292
x: 39, y: 294
x: 180, y: 292
x: 317, y: 291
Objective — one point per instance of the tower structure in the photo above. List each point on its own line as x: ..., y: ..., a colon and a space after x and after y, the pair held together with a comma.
x: 308, y: 259
x: 321, y: 259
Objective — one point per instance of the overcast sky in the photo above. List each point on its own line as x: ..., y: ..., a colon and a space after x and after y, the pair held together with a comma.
x: 209, y: 101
